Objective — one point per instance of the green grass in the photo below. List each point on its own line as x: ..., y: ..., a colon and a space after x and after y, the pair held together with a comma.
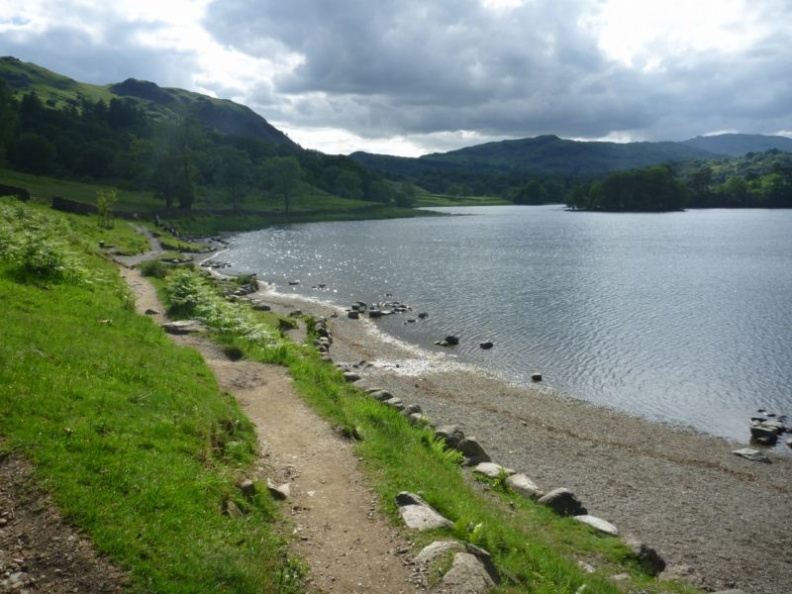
x: 128, y: 431
x: 211, y: 213
x: 429, y: 200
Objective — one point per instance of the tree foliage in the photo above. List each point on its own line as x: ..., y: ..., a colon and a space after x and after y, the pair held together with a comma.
x: 180, y: 160
x: 646, y: 189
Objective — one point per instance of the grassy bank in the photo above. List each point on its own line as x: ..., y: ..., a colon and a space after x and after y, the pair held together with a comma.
x: 128, y: 432
x: 210, y: 213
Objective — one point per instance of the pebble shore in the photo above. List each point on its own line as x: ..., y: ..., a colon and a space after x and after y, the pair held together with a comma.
x: 719, y: 521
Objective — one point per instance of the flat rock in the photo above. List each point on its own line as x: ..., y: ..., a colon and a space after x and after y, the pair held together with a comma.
x: 419, y: 515
x: 184, y: 327
x: 598, y: 524
x: 564, y: 502
x: 437, y: 549
x: 493, y: 470
x: 752, y: 454
x: 394, y: 402
x: 524, y: 486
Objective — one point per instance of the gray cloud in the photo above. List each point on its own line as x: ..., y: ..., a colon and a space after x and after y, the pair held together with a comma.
x: 112, y: 56
x: 414, y: 66
x: 440, y: 70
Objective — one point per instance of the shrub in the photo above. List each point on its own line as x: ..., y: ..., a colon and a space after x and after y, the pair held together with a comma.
x: 154, y: 268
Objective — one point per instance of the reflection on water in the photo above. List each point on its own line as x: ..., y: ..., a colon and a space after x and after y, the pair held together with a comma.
x: 680, y: 317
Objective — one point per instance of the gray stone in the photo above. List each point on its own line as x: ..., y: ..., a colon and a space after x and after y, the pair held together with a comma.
x: 420, y: 420
x: 752, y: 454
x: 152, y: 312
x: 248, y: 488
x: 381, y: 395
x: 280, y: 492
x: 411, y: 409
x: 493, y: 470
x: 473, y: 451
x: 419, y: 515
x: 598, y: 524
x: 648, y: 557
x: 563, y: 502
x: 394, y: 403
x: 728, y: 592
x: 536, y: 377
x: 184, y: 327
x: 467, y: 576
x: 524, y: 486
x: 261, y: 307
x: 353, y: 315
x: 452, y: 434
x: 437, y: 549
x: 351, y: 377
x: 764, y: 434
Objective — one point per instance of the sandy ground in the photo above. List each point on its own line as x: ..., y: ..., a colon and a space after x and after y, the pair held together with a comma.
x: 718, y: 520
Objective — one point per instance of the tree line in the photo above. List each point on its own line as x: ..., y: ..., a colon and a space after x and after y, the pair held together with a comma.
x: 178, y: 159
x: 756, y: 180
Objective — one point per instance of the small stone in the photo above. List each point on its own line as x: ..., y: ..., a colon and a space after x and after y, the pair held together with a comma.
x: 279, y: 492
x: 651, y: 560
x: 248, y: 488
x: 492, y: 470
x: 451, y: 434
x: 418, y: 514
x: 564, y: 502
x: 598, y: 524
x: 753, y: 455
x: 536, y: 377
x: 524, y: 486
x: 473, y: 451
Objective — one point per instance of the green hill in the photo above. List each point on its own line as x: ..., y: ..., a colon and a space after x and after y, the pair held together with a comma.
x: 736, y: 145
x: 219, y: 115
x: 187, y: 151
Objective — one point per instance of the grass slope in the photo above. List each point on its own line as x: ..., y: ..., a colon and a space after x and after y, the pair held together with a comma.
x: 128, y: 431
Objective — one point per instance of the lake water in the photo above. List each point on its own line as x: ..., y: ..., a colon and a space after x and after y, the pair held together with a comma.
x: 679, y: 317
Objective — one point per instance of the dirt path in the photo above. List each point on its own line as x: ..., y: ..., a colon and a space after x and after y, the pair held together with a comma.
x: 349, y: 546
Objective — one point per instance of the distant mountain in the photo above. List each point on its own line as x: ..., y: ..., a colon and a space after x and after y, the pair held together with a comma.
x: 736, y: 145
x: 220, y: 115
x: 558, y: 156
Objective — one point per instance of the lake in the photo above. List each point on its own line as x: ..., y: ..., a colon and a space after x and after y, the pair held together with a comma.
x: 681, y: 317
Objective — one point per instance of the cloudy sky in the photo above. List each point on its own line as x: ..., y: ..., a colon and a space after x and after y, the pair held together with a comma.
x: 410, y: 77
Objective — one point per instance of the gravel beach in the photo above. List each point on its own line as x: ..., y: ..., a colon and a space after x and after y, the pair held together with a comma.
x: 720, y: 521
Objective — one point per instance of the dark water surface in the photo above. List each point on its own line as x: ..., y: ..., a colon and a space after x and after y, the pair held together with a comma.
x: 679, y: 317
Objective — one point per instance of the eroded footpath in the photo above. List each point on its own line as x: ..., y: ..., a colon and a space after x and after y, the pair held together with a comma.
x: 348, y: 545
